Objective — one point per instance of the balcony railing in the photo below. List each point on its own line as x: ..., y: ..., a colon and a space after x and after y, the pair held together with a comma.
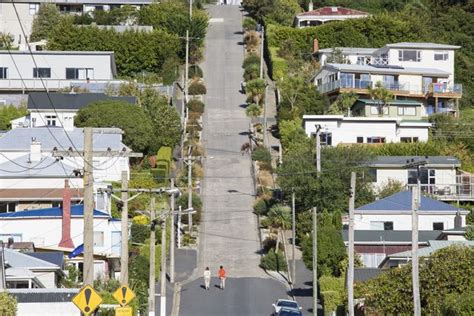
x: 462, y: 190
x: 434, y: 88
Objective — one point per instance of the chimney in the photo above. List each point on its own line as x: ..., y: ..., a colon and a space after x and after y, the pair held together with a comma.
x: 310, y: 5
x: 315, y: 45
x: 66, y: 240
x: 35, y: 150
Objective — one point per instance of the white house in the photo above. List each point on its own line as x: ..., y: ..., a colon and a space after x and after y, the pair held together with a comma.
x: 326, y: 14
x: 59, y: 109
x: 441, y: 177
x: 53, y: 70
x: 338, y: 129
x: 27, y: 10
x: 394, y: 213
x: 415, y: 71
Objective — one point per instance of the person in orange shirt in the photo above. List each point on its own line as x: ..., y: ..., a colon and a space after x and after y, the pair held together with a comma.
x: 222, y: 277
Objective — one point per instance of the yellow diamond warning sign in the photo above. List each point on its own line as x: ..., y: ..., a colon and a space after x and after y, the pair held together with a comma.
x: 124, y: 295
x: 87, y: 300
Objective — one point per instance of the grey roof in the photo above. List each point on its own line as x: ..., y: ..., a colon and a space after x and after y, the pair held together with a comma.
x: 47, y: 167
x: 19, y: 139
x: 43, y: 295
x: 54, y: 52
x: 365, y: 274
x: 17, y: 259
x: 69, y: 101
x: 434, y: 245
x: 350, y: 50
x: 388, y: 69
x: 391, y: 236
x: 400, y: 161
x: 422, y: 45
x: 54, y: 257
x: 401, y: 202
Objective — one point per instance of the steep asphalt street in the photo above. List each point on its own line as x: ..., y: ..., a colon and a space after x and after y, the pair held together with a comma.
x: 228, y: 232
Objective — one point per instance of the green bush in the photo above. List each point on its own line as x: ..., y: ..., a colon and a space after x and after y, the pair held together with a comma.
x: 139, y: 233
x: 251, y: 59
x: 196, y: 106
x: 249, y: 24
x: 260, y: 207
x: 459, y: 304
x: 279, y: 66
x: 332, y: 292
x: 197, y: 88
x: 273, y: 261
x: 251, y: 72
x: 195, y: 72
x: 261, y: 154
x: 7, y: 305
x: 197, y: 206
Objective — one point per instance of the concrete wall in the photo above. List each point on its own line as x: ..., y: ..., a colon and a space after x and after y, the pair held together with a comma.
x: 403, y: 221
x: 9, y: 21
x: 47, y: 309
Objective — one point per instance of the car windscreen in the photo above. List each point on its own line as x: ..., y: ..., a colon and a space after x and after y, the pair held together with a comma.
x: 287, y: 304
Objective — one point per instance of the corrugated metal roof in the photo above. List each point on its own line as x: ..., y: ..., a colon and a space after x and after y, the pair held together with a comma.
x: 381, y: 236
x: 350, y: 50
x: 434, y: 245
x: 76, y: 211
x: 422, y: 45
x: 69, y: 101
x: 53, y: 257
x: 365, y: 274
x: 17, y: 259
x: 401, y: 201
x: 400, y: 161
x: 46, y: 167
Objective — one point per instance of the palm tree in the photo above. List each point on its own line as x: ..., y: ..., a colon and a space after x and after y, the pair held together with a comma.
x: 280, y: 218
x: 381, y: 96
x: 256, y: 90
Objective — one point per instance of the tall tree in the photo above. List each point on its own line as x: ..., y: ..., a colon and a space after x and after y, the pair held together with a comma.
x: 47, y: 17
x: 280, y: 218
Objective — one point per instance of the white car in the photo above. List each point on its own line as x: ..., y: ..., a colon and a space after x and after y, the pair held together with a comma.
x: 285, y: 303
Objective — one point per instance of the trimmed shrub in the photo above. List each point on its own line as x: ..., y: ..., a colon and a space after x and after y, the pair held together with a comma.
x: 273, y: 261
x: 279, y: 66
x: 195, y: 72
x: 249, y: 24
x: 251, y: 59
x: 260, y: 207
x: 332, y: 292
x: 7, y: 305
x: 251, y: 72
x: 197, y: 88
x: 268, y: 244
x: 261, y: 154
x: 196, y: 106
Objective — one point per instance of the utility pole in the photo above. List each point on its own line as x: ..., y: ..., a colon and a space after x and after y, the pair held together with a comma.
x: 190, y: 9
x: 186, y: 71
x: 350, y: 272
x: 318, y: 149
x: 151, y: 291
x: 124, y: 225
x: 415, y: 206
x: 261, y: 52
x: 265, y: 117
x: 315, y: 261
x: 172, y: 235
x: 190, y: 190
x: 179, y: 227
x: 163, y: 268
x: 293, y: 236
x: 88, y: 208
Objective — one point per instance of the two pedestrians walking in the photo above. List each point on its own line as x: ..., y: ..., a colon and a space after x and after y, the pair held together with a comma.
x: 221, y: 274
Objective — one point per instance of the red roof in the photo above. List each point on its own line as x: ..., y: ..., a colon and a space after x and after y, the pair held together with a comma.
x: 333, y: 11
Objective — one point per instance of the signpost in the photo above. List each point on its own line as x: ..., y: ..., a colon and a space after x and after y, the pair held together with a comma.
x: 87, y: 300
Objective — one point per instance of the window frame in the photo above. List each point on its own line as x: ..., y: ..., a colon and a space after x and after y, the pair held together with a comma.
x: 326, y: 138
x: 402, y: 57
x: 33, y: 8
x: 444, y: 56
x: 3, y: 72
x: 50, y: 120
x: 403, y: 109
x: 438, y: 223
x: 38, y: 72
x: 370, y: 140
x: 360, y: 139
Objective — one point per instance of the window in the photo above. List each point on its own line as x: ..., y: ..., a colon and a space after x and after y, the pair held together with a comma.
x: 427, y: 176
x: 79, y: 73
x: 375, y: 110
x: 98, y: 239
x: 441, y: 56
x: 51, y: 120
x: 3, y: 72
x: 41, y: 72
x: 360, y: 140
x: 438, y: 226
x: 380, y: 225
x: 33, y: 121
x: 361, y: 60
x: 56, y: 204
x: 372, y: 174
x: 6, y: 207
x: 406, y: 111
x: 34, y: 7
x: 347, y: 80
x: 409, y: 139
x: 376, y: 140
x: 326, y: 139
x: 409, y: 55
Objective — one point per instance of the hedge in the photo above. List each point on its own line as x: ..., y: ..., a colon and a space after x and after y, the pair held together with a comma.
x: 196, y: 106
x: 7, y: 305
x: 332, y: 293
x: 197, y: 88
x: 261, y: 154
x: 260, y: 207
x: 251, y: 59
x: 251, y: 72
x: 195, y: 72
x: 278, y: 65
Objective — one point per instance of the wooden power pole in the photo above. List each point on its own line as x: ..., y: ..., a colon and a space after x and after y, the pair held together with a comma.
x: 350, y: 272
x: 414, y: 247
x: 318, y: 150
x: 163, y: 268
x: 261, y: 52
x: 190, y: 190
x: 151, y: 291
x: 315, y: 261
x: 124, y: 225
x: 172, y: 234
x: 293, y: 237
x: 88, y: 208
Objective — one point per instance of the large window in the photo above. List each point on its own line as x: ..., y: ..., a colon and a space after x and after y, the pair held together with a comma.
x: 79, y: 73
x: 347, y: 80
x: 3, y: 72
x: 375, y: 140
x: 406, y: 110
x: 427, y: 176
x: 51, y: 120
x: 441, y: 56
x: 375, y: 110
x: 41, y: 72
x: 409, y: 55
x: 438, y: 226
x: 409, y: 139
x: 380, y: 225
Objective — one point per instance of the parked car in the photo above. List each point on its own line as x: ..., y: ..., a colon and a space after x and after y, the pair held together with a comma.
x: 283, y: 303
x: 288, y: 311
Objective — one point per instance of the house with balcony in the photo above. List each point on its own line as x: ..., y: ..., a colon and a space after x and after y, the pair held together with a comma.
x: 342, y: 130
x: 27, y: 10
x: 421, y: 72
x: 59, y: 109
x: 441, y: 177
x: 315, y: 17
